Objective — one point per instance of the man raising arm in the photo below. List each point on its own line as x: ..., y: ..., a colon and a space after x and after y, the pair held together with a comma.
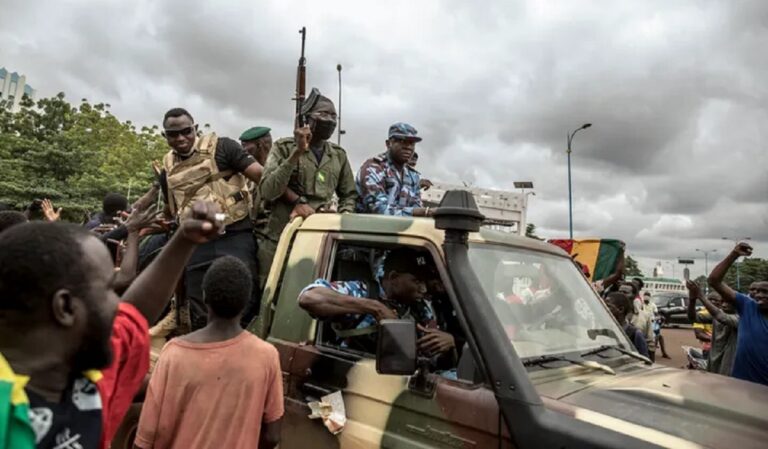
x: 751, y: 362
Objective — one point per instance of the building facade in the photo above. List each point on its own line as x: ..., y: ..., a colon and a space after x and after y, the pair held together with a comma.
x: 503, y: 210
x: 12, y: 88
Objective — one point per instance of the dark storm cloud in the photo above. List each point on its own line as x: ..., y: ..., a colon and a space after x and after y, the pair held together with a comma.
x: 676, y: 92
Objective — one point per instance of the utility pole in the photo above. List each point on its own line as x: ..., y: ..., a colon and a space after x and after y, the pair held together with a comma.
x: 706, y: 252
x: 570, y: 194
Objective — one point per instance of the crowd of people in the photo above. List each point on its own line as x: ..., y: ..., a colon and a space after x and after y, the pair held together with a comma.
x: 76, y: 332
x: 74, y: 355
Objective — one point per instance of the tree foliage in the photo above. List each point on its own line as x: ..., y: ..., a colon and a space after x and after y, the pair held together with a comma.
x: 631, y: 269
x: 73, y: 155
x: 751, y: 269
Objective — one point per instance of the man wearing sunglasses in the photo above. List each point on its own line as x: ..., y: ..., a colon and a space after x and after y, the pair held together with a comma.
x: 215, y: 169
x: 304, y: 172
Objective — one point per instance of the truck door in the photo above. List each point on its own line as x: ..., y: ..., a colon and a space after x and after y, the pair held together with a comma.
x: 381, y: 410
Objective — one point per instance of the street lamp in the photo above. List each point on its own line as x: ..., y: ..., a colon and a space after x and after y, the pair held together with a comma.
x: 706, y: 252
x: 570, y: 194
x: 672, y: 265
x: 738, y: 274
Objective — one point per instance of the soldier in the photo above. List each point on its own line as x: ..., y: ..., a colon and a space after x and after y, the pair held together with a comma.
x: 257, y: 141
x: 400, y: 294
x: 214, y: 169
x: 303, y: 173
x: 388, y: 184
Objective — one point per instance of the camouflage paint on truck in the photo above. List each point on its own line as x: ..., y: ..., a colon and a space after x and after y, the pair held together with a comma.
x: 383, y: 411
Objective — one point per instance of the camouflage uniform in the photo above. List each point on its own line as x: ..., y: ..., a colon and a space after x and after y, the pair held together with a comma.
x: 315, y: 181
x: 363, y: 327
x: 383, y: 189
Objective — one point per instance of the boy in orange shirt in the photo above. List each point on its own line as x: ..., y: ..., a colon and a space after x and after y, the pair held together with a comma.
x: 220, y: 386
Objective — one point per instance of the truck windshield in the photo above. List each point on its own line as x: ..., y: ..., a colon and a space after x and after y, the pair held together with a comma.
x: 543, y: 302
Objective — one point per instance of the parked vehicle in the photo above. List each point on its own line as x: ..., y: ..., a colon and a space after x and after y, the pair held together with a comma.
x: 673, y: 307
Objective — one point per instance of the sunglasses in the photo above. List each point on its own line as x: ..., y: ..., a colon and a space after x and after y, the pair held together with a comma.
x: 172, y: 133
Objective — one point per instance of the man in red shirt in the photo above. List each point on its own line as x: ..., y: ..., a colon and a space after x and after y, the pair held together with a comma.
x: 60, y: 320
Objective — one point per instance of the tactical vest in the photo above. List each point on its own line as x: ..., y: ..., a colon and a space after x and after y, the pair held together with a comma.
x: 198, y: 178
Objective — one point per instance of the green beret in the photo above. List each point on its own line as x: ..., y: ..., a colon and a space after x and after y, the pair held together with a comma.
x: 254, y: 133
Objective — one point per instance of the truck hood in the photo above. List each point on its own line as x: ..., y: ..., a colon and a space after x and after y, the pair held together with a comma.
x: 671, y: 407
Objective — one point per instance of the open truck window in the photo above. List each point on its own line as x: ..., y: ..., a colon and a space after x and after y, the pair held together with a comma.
x: 360, y: 267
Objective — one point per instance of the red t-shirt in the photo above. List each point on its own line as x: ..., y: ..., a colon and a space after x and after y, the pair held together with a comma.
x: 122, y: 379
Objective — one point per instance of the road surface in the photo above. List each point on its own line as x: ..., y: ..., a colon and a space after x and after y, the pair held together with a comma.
x: 674, y: 339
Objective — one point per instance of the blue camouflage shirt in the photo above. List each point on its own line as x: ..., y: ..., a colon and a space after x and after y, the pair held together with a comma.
x: 383, y: 189
x: 421, y: 311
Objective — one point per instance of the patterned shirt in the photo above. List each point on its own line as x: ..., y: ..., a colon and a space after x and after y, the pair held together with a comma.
x: 383, y: 189
x: 421, y: 311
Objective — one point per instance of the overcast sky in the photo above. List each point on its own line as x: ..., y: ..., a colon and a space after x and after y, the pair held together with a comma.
x: 676, y: 91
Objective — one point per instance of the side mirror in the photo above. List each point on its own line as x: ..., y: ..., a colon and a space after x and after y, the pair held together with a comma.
x: 396, y: 351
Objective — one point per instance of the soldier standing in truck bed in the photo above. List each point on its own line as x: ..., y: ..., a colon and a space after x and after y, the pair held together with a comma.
x: 304, y: 172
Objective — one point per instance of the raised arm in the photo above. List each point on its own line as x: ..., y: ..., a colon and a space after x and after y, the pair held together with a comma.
x: 136, y: 222
x: 281, y: 162
x: 618, y: 273
x: 148, y: 198
x: 694, y: 293
x: 715, y: 278
x: 152, y: 290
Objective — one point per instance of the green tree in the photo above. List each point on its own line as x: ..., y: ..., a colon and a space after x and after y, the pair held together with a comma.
x: 751, y: 269
x: 73, y: 155
x: 530, y: 231
x: 631, y: 269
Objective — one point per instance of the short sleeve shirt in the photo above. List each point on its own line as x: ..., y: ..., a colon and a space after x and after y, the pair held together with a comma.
x: 421, y: 311
x: 212, y: 394
x: 231, y: 156
x: 751, y: 362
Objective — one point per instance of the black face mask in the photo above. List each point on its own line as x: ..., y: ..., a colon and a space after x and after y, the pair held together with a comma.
x: 323, y: 129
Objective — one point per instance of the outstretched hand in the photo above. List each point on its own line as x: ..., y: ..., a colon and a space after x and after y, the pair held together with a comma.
x: 140, y: 219
x: 49, y: 212
x: 202, y: 225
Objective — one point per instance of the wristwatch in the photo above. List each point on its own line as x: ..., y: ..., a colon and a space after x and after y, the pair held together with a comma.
x: 300, y: 200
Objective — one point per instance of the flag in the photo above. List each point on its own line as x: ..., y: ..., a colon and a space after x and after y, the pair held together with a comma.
x: 15, y: 429
x: 600, y: 256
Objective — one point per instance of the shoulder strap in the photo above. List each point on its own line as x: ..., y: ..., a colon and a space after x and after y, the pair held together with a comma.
x: 208, y: 144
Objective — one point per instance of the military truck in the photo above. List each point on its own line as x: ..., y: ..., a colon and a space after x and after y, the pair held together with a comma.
x: 545, y: 365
